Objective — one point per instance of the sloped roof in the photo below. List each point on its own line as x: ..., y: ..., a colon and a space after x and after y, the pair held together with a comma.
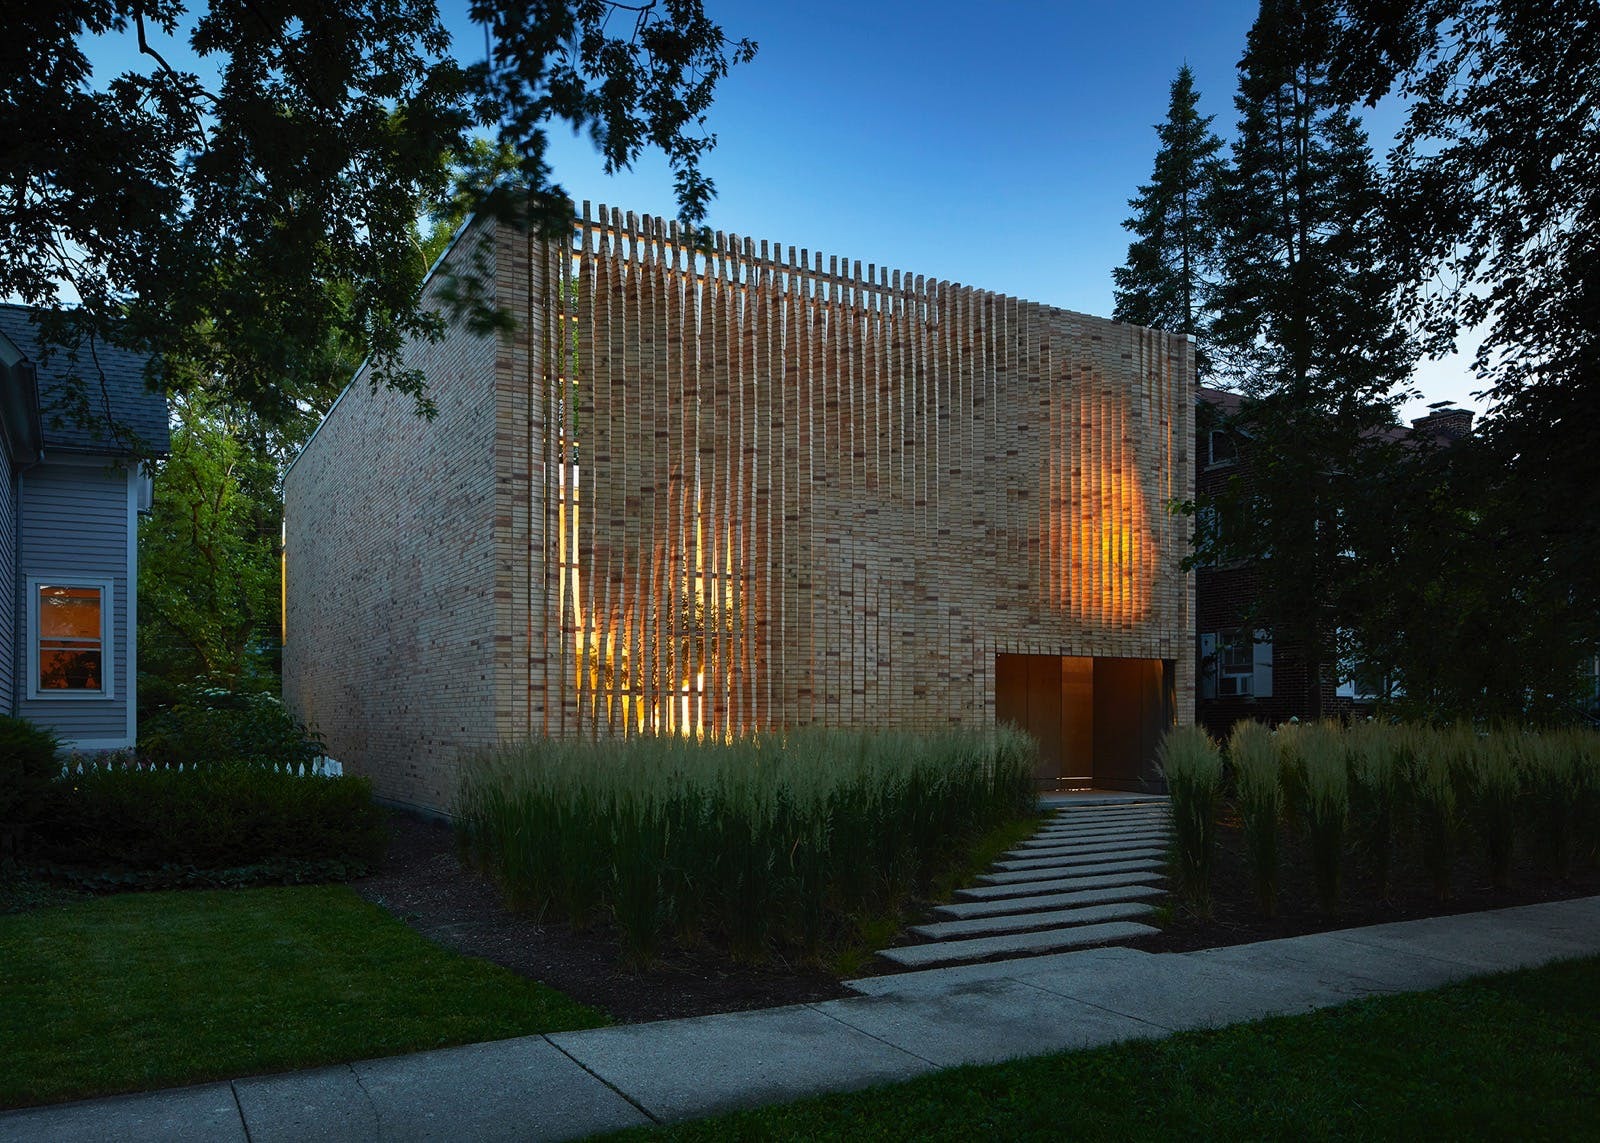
x: 113, y: 381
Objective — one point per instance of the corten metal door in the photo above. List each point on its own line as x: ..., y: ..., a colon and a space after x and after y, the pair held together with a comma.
x: 1134, y: 701
x: 1027, y: 692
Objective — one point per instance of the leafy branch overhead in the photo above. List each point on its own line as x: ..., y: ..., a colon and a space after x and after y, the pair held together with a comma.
x: 245, y: 219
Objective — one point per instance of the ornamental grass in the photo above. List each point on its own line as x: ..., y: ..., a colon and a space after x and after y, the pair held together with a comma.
x: 762, y: 844
x: 1193, y: 768
x: 1326, y: 784
x: 1254, y: 759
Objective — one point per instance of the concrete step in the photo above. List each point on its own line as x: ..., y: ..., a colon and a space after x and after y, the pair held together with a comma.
x: 1037, y: 902
x: 1102, y: 831
x: 1025, y: 889
x: 1113, y: 812
x: 1037, y: 847
x: 1149, y: 861
x: 1021, y: 922
x: 1015, y: 944
x: 1089, y: 857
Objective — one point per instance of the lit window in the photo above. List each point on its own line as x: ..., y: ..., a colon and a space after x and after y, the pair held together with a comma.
x: 71, y: 652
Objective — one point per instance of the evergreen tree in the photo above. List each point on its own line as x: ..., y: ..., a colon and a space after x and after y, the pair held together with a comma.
x: 1162, y: 283
x: 1305, y: 326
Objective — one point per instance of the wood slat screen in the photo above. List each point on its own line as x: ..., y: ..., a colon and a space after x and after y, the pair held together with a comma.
x: 780, y: 489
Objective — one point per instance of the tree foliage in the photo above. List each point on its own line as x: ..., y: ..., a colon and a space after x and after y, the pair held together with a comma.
x: 1304, y: 325
x: 238, y: 227
x: 208, y: 567
x: 1163, y: 283
x: 1495, y: 223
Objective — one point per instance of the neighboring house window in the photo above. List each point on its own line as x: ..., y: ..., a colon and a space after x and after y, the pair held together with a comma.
x: 1235, y: 665
x: 1221, y: 448
x: 69, y: 652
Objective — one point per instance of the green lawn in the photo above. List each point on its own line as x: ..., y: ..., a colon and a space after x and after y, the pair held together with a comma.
x: 1509, y: 1057
x: 148, y: 990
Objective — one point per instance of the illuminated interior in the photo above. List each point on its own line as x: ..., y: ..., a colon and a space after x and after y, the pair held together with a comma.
x: 70, y: 638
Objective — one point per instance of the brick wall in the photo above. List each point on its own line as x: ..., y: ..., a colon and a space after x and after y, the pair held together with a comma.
x: 730, y: 491
x: 402, y: 622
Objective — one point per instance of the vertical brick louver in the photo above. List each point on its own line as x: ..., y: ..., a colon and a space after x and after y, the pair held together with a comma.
x: 725, y: 486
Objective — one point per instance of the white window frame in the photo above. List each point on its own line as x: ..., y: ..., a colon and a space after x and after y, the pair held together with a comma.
x: 108, y: 660
x: 1212, y: 459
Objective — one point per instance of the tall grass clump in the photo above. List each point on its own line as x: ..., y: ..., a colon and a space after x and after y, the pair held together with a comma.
x: 1380, y: 772
x: 1439, y: 758
x: 1260, y: 801
x: 1291, y: 776
x: 761, y: 843
x: 1327, y: 806
x: 1492, y: 779
x: 1193, y: 768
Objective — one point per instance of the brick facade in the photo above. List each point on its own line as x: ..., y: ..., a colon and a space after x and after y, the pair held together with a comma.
x: 727, y: 490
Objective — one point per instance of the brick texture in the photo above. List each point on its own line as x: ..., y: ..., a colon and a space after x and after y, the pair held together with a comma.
x: 713, y: 491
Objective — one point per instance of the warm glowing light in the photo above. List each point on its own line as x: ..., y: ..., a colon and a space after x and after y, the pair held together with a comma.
x: 1099, y: 543
x: 700, y: 614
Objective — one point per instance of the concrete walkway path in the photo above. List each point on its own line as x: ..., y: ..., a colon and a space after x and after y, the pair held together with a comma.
x: 568, y: 1085
x: 1091, y: 875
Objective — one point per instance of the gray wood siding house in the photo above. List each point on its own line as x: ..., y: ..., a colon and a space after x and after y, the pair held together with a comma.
x: 71, y: 490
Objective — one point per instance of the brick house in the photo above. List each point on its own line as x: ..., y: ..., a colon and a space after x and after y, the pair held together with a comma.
x: 1244, y: 673
x: 705, y: 492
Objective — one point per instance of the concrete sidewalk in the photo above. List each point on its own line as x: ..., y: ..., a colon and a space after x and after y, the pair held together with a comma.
x: 572, y: 1084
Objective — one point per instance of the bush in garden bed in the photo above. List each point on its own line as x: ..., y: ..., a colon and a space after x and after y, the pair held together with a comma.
x: 218, y: 817
x: 772, y: 841
x: 29, y: 763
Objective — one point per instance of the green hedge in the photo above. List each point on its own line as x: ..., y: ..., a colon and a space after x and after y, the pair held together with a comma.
x: 211, y: 817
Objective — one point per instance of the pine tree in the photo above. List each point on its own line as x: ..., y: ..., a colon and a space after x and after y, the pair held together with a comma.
x: 1162, y: 283
x: 1305, y: 326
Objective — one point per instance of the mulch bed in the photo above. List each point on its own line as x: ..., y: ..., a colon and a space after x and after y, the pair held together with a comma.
x: 424, y: 884
x: 1237, y: 918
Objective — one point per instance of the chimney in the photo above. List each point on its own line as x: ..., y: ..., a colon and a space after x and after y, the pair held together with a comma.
x: 1444, y: 423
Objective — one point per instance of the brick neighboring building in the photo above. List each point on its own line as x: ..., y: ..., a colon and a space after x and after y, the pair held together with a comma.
x: 1263, y: 679
x: 755, y: 488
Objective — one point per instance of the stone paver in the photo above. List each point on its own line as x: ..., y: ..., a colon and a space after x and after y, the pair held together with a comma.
x: 1149, y: 874
x: 1085, y: 857
x: 1127, y: 892
x: 1048, y: 918
x: 1129, y: 861
x: 1016, y: 944
x: 1041, y: 852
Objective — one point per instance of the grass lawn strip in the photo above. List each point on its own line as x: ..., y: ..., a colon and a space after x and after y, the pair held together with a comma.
x: 153, y: 990
x: 1514, y: 1056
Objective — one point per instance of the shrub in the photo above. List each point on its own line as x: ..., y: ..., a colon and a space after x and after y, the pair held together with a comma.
x: 29, y: 763
x: 1260, y: 799
x: 208, y: 725
x: 1327, y: 806
x: 1193, y: 768
x: 214, y: 817
x: 762, y: 842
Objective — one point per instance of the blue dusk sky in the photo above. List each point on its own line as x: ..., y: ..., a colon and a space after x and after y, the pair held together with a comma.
x: 994, y: 144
